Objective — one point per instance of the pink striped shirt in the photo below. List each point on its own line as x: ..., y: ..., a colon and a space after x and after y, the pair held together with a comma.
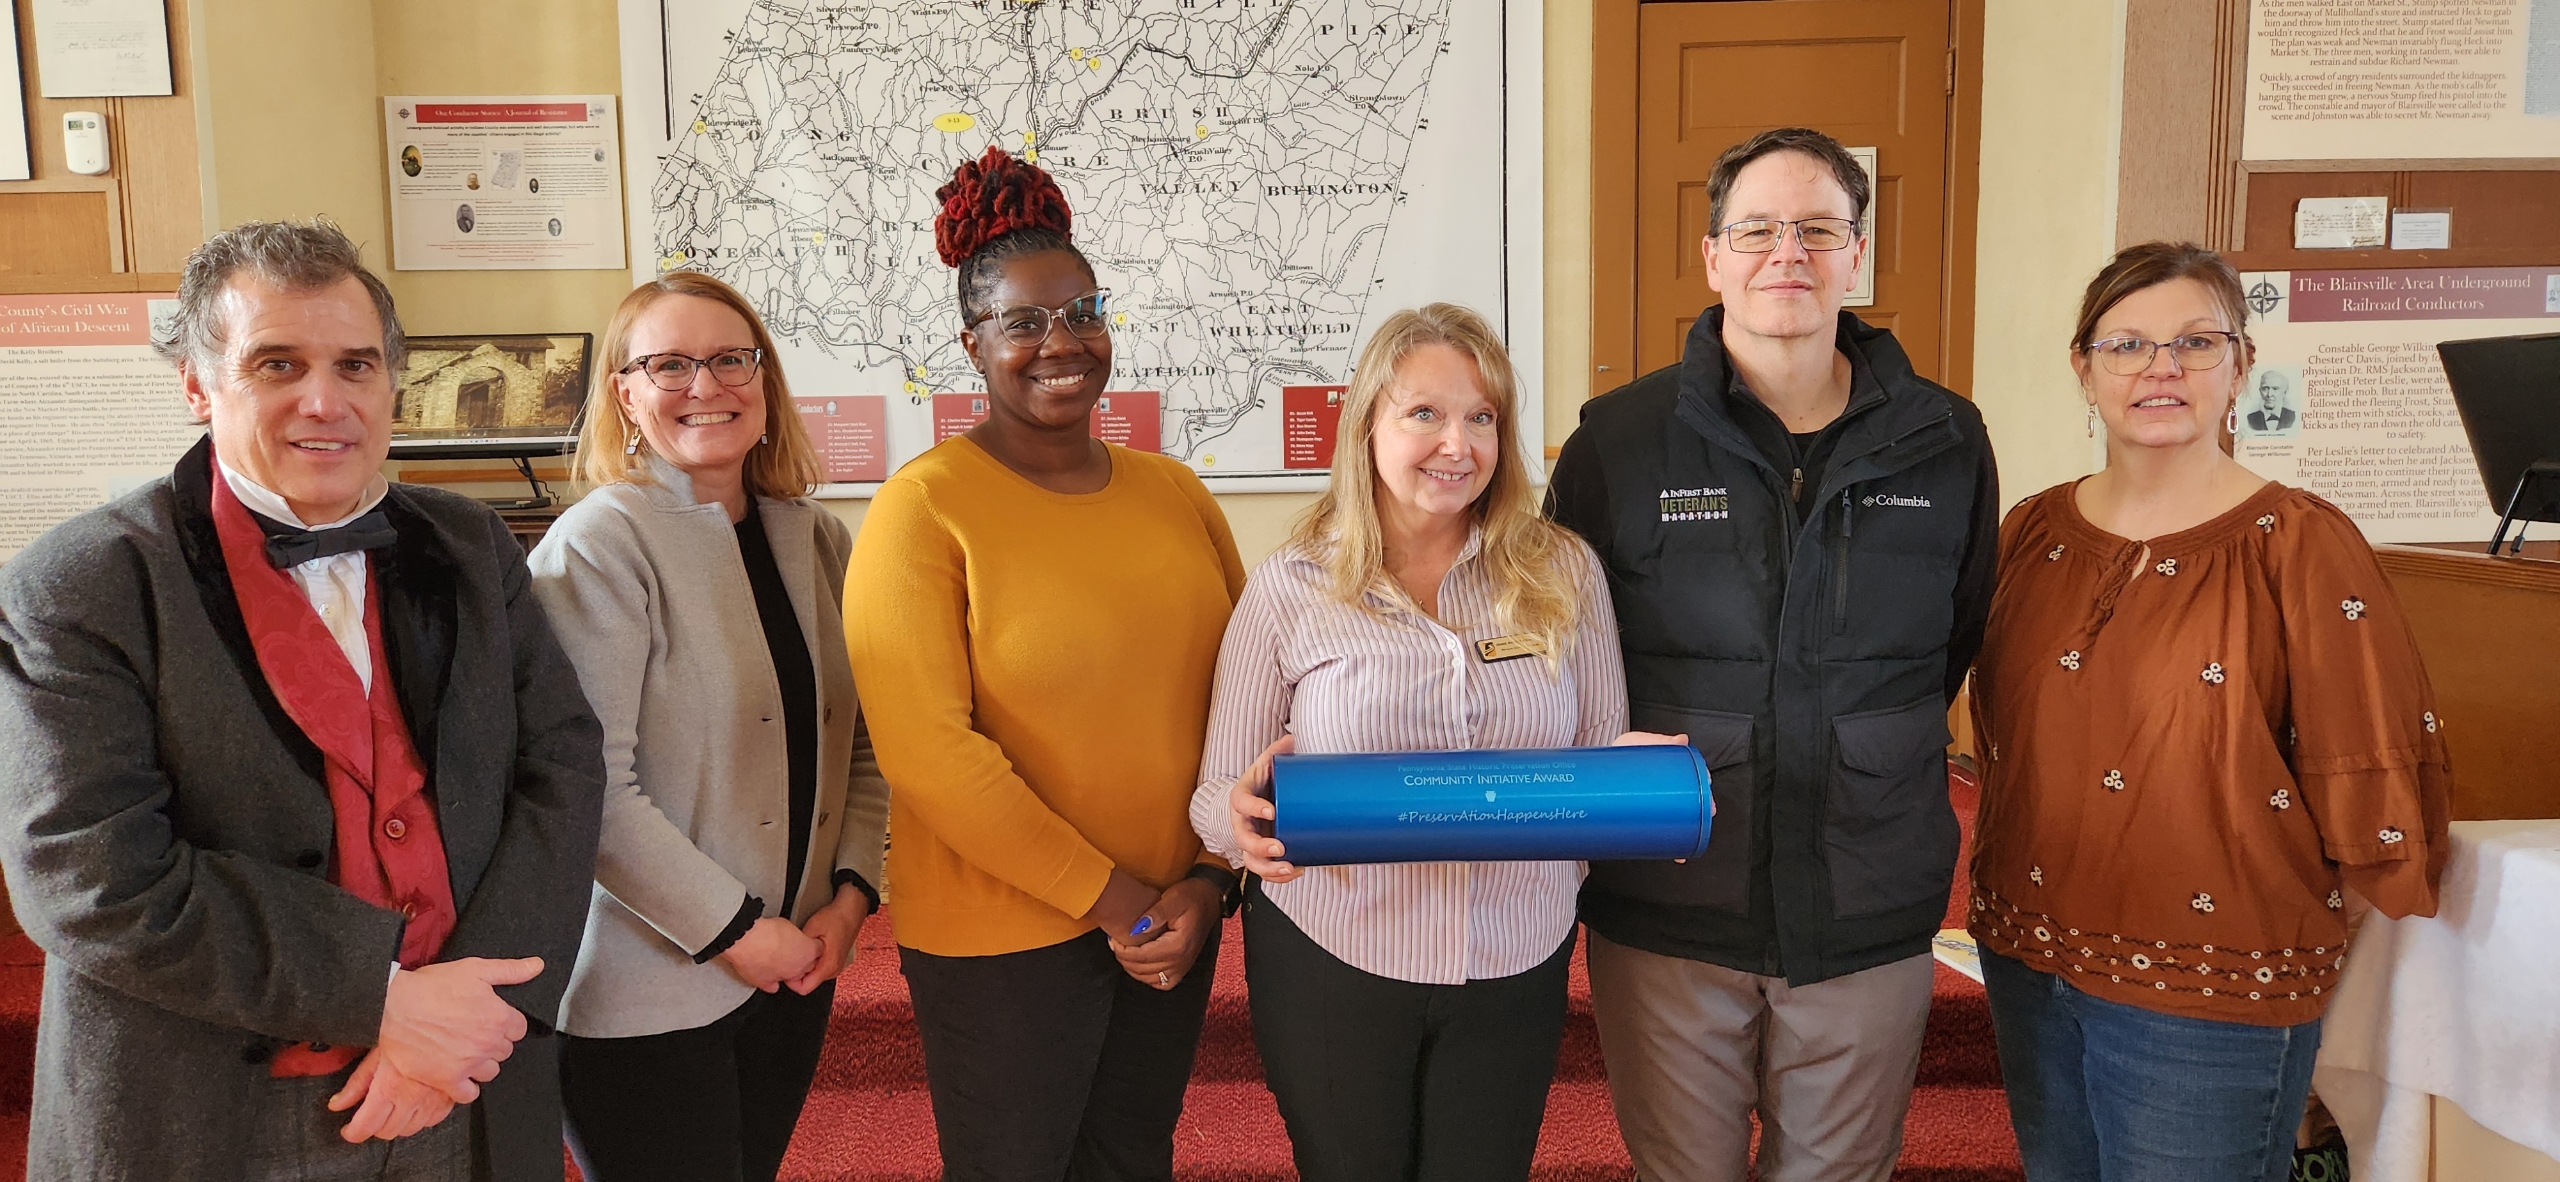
x: 1342, y: 680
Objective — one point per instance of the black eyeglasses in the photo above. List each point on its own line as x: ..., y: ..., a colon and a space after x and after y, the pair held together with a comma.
x: 1026, y: 325
x: 2193, y: 353
x: 674, y: 371
x: 1762, y: 235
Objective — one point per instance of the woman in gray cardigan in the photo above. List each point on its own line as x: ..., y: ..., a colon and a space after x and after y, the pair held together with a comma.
x: 695, y: 590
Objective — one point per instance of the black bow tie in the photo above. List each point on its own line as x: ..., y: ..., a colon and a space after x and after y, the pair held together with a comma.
x: 289, y: 547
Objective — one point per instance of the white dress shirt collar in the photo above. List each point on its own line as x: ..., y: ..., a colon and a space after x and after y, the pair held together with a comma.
x: 264, y: 502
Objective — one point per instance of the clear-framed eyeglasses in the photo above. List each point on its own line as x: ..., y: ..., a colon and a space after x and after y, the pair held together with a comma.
x: 2193, y: 353
x: 674, y: 371
x: 1762, y: 235
x: 1087, y: 317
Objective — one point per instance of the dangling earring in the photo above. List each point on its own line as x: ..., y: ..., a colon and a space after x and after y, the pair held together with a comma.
x: 2093, y: 420
x: 632, y: 448
x: 2231, y: 422
x: 763, y: 440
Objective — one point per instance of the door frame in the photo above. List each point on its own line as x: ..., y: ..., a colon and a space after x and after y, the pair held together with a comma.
x: 1613, y: 192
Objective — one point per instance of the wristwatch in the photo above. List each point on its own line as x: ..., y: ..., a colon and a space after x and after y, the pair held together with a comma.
x: 1230, y: 887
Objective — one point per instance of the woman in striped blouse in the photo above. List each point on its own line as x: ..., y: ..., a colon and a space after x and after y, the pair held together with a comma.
x: 1408, y: 1014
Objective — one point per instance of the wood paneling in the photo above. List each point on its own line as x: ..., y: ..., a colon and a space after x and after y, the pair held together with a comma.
x: 152, y: 205
x: 2501, y: 218
x: 2182, y: 175
x: 58, y: 233
x: 2178, y: 139
x: 2489, y: 630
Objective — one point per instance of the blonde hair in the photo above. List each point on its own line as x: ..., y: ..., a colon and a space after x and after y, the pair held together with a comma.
x: 1527, y: 557
x: 785, y: 467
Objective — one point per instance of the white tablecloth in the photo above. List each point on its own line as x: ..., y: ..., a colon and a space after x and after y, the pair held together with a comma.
x: 2465, y: 1005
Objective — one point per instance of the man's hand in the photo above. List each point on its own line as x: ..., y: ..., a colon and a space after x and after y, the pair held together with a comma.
x: 833, y: 926
x: 445, y: 1026
x: 1183, y: 917
x: 1250, y: 813
x: 393, y: 1105
x: 775, y: 950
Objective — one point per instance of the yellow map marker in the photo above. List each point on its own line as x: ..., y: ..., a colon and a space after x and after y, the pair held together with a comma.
x: 699, y: 127
x: 671, y: 262
x: 820, y: 236
x: 1208, y: 461
x: 954, y: 122
x: 1093, y: 63
x: 1076, y: 53
x: 911, y: 387
x: 1200, y: 131
x: 1121, y: 318
x: 1031, y: 154
x: 1030, y: 137
x: 920, y: 372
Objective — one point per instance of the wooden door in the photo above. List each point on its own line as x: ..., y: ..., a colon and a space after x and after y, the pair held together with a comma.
x: 1870, y: 73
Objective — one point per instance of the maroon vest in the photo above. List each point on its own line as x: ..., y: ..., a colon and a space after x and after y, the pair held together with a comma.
x: 389, y: 850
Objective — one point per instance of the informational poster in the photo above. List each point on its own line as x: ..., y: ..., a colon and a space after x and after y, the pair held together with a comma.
x: 102, y: 48
x: 1134, y: 419
x: 1259, y: 185
x: 2402, y: 80
x: 15, y: 165
x: 2349, y: 401
x: 87, y: 411
x: 1310, y: 423
x: 852, y: 436
x: 504, y: 184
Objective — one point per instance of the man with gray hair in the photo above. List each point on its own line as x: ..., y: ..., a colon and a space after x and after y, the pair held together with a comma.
x: 297, y: 792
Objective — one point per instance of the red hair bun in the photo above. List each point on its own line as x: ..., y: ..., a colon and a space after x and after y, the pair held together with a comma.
x: 991, y: 197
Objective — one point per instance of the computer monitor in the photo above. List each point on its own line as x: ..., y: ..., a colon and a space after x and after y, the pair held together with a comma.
x: 2508, y: 392
x: 482, y: 397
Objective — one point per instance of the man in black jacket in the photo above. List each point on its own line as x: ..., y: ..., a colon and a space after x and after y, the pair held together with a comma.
x: 264, y: 720
x: 1800, y: 535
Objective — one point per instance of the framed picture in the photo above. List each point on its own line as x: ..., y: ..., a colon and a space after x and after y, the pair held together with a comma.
x: 465, y: 396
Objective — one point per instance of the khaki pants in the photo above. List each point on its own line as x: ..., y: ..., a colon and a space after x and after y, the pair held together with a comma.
x: 1693, y: 1049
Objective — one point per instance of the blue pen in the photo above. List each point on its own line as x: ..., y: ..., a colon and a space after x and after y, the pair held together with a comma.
x: 1145, y: 924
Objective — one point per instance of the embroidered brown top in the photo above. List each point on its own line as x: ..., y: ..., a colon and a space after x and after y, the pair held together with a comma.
x: 2193, y: 744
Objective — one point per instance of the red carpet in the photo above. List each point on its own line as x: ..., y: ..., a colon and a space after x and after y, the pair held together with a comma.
x: 869, y: 1119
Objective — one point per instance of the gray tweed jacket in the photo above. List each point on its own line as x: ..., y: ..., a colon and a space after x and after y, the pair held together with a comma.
x: 165, y: 827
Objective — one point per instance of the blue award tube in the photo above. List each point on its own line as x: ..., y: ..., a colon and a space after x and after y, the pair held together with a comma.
x: 1532, y: 805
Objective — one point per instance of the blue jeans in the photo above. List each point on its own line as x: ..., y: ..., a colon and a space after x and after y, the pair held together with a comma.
x: 2105, y: 1092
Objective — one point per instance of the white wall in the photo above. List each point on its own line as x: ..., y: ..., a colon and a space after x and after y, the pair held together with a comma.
x: 2051, y: 96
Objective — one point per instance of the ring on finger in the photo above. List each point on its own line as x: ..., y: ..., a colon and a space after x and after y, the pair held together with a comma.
x: 1164, y: 980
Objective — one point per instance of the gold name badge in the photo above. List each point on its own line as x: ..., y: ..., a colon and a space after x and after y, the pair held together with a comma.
x: 1507, y: 648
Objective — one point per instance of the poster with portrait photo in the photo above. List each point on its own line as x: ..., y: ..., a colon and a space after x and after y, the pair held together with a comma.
x: 2352, y: 355
x: 529, y: 183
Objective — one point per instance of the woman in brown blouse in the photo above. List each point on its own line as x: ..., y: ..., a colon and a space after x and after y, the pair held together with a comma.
x: 2206, y: 724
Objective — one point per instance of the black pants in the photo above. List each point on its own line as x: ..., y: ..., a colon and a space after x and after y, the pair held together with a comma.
x: 1391, y: 1081
x: 716, y: 1103
x: 1054, y: 1064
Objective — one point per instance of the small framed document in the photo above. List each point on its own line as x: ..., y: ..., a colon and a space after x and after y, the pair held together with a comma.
x: 102, y: 48
x: 15, y: 164
x: 2422, y: 229
x: 2340, y: 223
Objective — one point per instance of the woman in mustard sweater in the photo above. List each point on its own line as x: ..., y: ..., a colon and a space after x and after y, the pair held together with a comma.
x: 1034, y: 617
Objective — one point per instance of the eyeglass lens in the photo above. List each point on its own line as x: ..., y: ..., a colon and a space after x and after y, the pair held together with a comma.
x: 1026, y: 325
x: 2126, y: 356
x: 1763, y: 236
x: 674, y: 371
